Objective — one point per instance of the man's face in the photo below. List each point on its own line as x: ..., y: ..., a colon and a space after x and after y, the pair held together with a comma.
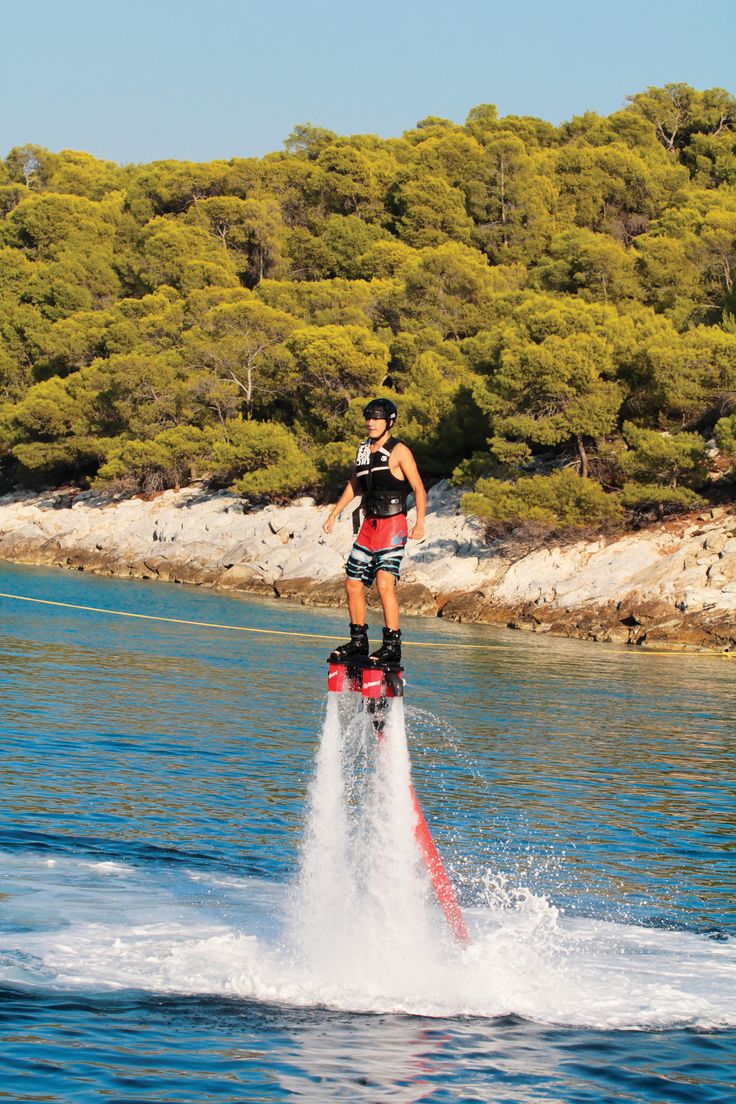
x: 376, y: 427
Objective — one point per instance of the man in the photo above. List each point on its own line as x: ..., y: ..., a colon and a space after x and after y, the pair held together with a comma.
x: 384, y: 470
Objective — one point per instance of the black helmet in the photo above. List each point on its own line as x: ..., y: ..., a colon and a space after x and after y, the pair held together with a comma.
x: 381, y: 408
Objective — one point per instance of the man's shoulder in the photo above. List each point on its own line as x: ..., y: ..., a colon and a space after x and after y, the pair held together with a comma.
x: 399, y: 448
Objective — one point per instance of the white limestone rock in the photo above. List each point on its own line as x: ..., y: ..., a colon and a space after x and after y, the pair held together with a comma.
x: 688, y: 565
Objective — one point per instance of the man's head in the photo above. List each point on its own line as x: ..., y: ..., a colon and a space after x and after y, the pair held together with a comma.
x: 380, y: 415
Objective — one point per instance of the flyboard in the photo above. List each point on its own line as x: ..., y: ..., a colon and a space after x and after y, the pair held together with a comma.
x: 378, y: 684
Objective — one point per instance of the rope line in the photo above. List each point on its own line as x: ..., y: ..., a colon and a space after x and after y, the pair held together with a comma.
x: 231, y: 628
x: 708, y: 652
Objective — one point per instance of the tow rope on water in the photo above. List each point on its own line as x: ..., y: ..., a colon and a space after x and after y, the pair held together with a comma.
x: 646, y: 650
x: 231, y: 628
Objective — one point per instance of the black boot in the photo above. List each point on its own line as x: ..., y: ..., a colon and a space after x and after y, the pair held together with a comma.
x: 390, y: 650
x: 356, y: 646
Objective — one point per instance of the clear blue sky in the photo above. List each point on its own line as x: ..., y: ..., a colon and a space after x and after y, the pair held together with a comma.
x: 139, y: 80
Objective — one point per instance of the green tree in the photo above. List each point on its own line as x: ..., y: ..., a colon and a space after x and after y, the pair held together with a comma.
x: 53, y: 429
x: 170, y: 187
x: 73, y: 342
x: 335, y: 302
x: 22, y: 334
x: 185, y: 257
x: 451, y: 287
x: 355, y: 180
x: 73, y: 235
x: 612, y: 188
x: 308, y: 255
x: 711, y: 159
x: 241, y: 344
x: 151, y: 324
x: 679, y: 378
x: 591, y: 265
x: 172, y: 458
x: 677, y: 111
x: 345, y: 239
x: 725, y: 437
x: 513, y: 209
x: 670, y: 276
x: 10, y: 196
x: 428, y: 212
x: 523, y: 288
x: 440, y: 420
x: 73, y: 172
x: 297, y: 185
x: 334, y: 365
x: 307, y: 140
x: 651, y: 501
x: 482, y: 121
x: 687, y: 261
x: 251, y: 231
x: 30, y: 165
x: 139, y: 395
x: 554, y: 392
x: 384, y: 259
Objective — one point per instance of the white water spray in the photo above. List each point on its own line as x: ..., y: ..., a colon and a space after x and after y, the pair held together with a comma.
x: 363, y: 910
x: 326, y: 884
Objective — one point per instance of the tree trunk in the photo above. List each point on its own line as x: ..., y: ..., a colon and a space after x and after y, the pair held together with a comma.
x: 583, y: 458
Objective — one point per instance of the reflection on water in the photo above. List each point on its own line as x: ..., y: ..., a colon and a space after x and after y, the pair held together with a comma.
x: 175, y: 1049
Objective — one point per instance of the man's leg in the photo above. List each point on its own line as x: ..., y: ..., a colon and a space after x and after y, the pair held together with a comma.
x: 358, y: 643
x: 390, y: 650
x: 356, y: 600
x: 386, y: 587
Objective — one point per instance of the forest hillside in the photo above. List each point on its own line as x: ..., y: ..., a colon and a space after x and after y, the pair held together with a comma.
x: 552, y: 308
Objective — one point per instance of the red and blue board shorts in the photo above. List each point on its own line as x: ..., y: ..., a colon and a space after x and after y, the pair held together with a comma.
x: 379, y: 546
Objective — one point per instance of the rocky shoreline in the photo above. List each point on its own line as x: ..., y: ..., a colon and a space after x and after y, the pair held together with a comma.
x: 671, y: 586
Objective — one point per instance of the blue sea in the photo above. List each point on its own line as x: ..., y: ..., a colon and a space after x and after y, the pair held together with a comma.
x: 165, y: 786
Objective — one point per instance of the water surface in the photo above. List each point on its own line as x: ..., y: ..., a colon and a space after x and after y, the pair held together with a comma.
x: 154, y: 783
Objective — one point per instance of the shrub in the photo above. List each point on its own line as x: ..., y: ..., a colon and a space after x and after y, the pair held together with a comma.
x: 65, y: 456
x: 172, y: 458
x: 261, y: 459
x: 667, y: 458
x: 334, y: 463
x: 470, y: 470
x: 650, y: 501
x: 725, y: 435
x: 561, y: 500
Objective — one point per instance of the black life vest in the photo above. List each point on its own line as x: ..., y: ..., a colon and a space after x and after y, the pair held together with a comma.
x: 384, y: 495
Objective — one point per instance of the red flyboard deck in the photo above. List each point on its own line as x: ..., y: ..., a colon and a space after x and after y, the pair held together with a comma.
x: 370, y: 679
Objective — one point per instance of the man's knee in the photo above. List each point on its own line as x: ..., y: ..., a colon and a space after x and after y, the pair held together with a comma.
x: 385, y: 582
x: 353, y: 586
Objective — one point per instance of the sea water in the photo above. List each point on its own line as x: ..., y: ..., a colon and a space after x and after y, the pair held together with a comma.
x: 210, y: 887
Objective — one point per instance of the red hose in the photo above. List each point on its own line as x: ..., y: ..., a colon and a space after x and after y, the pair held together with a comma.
x: 440, y: 881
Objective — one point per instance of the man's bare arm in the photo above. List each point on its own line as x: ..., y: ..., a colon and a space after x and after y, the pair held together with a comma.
x: 410, y: 471
x: 350, y: 492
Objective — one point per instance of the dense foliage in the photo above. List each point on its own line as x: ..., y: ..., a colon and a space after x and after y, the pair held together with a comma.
x: 553, y: 309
